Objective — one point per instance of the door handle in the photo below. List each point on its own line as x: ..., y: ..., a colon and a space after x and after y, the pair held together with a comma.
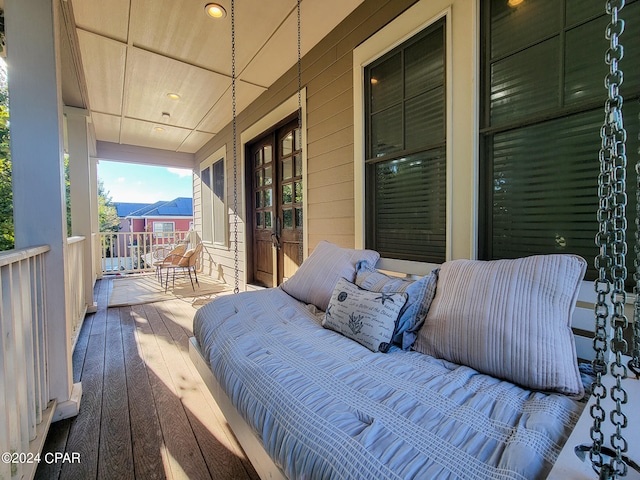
x: 275, y: 234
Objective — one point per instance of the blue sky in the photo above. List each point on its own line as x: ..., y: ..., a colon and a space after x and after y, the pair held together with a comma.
x: 127, y: 182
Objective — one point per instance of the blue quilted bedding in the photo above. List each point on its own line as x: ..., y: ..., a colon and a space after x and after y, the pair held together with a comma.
x: 327, y: 407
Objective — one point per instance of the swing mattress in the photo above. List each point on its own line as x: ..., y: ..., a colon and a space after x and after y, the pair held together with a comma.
x: 324, y: 406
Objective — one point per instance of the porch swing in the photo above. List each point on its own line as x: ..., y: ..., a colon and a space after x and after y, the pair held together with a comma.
x: 609, y: 462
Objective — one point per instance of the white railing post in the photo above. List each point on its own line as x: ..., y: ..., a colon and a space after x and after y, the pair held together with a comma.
x: 25, y: 410
x: 76, y: 286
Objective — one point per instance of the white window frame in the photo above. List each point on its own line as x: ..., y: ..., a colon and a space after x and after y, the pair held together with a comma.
x: 462, y: 141
x: 163, y: 233
x: 219, y: 222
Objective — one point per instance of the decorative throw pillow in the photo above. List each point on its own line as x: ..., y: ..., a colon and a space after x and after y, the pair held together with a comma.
x: 420, y: 295
x: 508, y: 318
x: 369, y: 318
x: 317, y: 276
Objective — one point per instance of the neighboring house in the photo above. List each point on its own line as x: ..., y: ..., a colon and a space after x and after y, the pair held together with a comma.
x: 123, y: 210
x: 162, y: 218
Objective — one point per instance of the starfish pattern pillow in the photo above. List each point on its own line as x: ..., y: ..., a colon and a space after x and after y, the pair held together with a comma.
x: 367, y: 317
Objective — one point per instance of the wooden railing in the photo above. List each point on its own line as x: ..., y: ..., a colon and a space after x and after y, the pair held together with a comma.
x: 129, y: 252
x: 77, y: 306
x: 25, y: 412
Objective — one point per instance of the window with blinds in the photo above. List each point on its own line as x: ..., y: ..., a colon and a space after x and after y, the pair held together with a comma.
x: 214, y: 219
x: 542, y: 108
x: 405, y: 163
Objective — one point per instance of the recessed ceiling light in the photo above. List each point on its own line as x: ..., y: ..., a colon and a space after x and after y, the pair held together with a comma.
x: 173, y: 96
x: 514, y: 3
x: 158, y: 129
x: 215, y: 11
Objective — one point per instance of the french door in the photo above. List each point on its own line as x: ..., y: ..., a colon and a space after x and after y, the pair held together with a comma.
x: 275, y: 163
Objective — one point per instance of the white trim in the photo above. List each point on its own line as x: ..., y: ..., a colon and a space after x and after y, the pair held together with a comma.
x: 115, y: 152
x: 279, y: 113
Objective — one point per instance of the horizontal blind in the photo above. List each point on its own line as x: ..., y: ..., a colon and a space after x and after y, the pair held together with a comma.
x: 406, y: 149
x: 543, y: 112
x: 410, y: 200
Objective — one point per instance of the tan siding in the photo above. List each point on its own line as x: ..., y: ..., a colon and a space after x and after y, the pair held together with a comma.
x: 328, y: 177
x: 332, y: 159
x: 332, y: 210
x: 339, y: 104
x: 333, y: 226
x: 329, y: 143
x: 327, y: 92
x: 345, y: 240
x: 339, y: 121
x: 331, y: 193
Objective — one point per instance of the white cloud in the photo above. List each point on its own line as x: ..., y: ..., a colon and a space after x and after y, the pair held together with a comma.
x: 121, y: 179
x: 181, y: 172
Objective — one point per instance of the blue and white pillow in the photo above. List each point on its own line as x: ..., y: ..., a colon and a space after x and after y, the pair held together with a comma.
x: 420, y: 295
x: 369, y: 318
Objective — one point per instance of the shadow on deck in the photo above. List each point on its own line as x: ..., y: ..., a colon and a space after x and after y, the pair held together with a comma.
x: 145, y: 412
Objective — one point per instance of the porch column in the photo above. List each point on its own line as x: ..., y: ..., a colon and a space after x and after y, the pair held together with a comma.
x: 38, y: 178
x: 81, y: 191
x: 95, y: 223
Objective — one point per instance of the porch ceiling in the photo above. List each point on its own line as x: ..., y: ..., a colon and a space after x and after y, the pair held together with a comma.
x: 122, y: 57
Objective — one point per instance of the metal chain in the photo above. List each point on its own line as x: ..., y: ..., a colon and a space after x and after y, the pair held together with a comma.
x: 299, y: 136
x: 611, y: 262
x: 634, y: 363
x: 234, y: 122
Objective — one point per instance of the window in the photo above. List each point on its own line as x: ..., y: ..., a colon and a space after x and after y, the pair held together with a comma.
x: 212, y: 199
x: 542, y: 109
x: 163, y: 230
x: 405, y: 151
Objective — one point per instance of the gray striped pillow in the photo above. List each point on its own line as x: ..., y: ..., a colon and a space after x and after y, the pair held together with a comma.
x: 508, y: 318
x: 319, y: 273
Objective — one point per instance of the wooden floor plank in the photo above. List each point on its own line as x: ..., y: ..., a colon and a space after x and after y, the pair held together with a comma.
x: 146, y: 436
x: 100, y: 292
x: 80, y: 352
x: 179, y: 315
x: 56, y: 442
x: 184, y: 455
x: 116, y: 454
x: 84, y: 435
x: 219, y: 451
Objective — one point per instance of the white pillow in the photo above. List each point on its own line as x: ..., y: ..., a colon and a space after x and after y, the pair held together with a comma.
x: 317, y: 276
x: 367, y: 317
x: 508, y: 318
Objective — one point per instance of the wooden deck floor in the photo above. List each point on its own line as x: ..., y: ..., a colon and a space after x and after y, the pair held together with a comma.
x: 145, y: 412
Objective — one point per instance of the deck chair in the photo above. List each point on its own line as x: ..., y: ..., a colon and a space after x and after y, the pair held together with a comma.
x: 162, y: 253
x: 185, y: 261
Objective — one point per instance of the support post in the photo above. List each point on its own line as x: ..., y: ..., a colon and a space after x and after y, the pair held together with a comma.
x: 95, y: 226
x: 81, y: 192
x: 33, y: 60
